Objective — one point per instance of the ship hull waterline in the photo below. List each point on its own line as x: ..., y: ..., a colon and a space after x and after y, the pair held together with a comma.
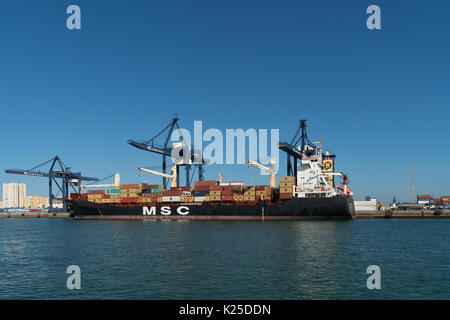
x: 293, y: 209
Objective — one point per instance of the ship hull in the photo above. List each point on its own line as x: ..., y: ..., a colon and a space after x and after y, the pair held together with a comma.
x: 293, y: 209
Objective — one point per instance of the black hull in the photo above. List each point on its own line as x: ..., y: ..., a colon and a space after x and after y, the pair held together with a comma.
x: 293, y: 209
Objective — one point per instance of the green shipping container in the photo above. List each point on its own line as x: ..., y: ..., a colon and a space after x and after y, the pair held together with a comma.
x: 114, y: 191
x: 156, y: 190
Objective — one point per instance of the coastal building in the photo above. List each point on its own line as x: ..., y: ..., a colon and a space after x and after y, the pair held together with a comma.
x: 14, y: 195
x: 369, y: 204
x: 36, y: 202
x: 1, y: 204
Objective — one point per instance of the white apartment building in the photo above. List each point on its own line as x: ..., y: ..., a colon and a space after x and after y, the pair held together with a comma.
x: 14, y: 195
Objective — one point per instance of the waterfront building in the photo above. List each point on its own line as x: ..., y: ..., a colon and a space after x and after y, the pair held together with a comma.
x: 14, y: 195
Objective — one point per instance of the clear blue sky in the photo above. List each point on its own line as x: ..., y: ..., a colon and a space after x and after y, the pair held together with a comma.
x: 379, y: 99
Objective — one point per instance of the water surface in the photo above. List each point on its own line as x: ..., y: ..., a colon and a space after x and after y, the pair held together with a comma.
x: 224, y: 259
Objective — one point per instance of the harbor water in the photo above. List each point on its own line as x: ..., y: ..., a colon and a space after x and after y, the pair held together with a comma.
x: 224, y: 259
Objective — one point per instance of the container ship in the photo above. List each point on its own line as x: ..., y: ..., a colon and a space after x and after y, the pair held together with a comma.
x: 309, y: 193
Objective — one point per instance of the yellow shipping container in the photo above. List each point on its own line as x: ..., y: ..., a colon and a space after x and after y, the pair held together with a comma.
x: 215, y: 193
x: 287, y: 179
x: 249, y: 198
x: 215, y: 198
x: 122, y: 191
x: 206, y: 198
x: 286, y: 184
x: 286, y: 190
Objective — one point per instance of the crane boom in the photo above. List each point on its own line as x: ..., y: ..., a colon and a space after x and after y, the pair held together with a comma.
x: 116, y: 183
x: 172, y: 175
x: 272, y: 170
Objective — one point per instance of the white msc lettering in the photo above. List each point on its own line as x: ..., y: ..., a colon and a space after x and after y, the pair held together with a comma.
x: 165, y: 211
x: 183, y: 210
x: 147, y: 212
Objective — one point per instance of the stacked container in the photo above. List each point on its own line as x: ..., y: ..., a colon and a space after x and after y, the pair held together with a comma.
x: 287, y: 184
x: 250, y: 194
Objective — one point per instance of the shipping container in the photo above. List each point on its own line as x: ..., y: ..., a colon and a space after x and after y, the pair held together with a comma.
x: 287, y: 190
x: 286, y: 195
x: 227, y: 198
x: 200, y: 193
x: 233, y: 183
x: 215, y: 193
x: 151, y: 195
x: 199, y: 198
x: 215, y: 188
x: 134, y: 186
x: 128, y: 199
x: 168, y: 193
x: 286, y: 184
x: 171, y: 199
x: 207, y: 183
x: 180, y: 188
x: 202, y: 188
x: 215, y: 198
x: 96, y: 192
x: 287, y: 179
x: 154, y: 186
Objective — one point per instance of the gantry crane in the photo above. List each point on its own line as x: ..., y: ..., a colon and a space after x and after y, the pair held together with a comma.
x: 68, y: 179
x: 115, y: 185
x: 272, y: 170
x: 179, y: 151
x: 172, y: 176
x: 307, y: 148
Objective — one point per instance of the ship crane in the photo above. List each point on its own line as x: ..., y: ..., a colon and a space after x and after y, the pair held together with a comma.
x: 115, y: 185
x: 179, y: 151
x: 172, y: 176
x: 344, y: 186
x: 272, y: 170
x: 58, y: 170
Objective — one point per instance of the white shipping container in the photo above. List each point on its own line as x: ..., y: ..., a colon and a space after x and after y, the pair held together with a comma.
x: 186, y: 193
x: 199, y: 199
x: 171, y: 199
x: 232, y: 183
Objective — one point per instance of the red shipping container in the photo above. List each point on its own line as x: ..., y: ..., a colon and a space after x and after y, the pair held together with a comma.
x: 232, y: 188
x: 215, y: 188
x: 202, y: 188
x: 180, y: 189
x: 96, y: 192
x: 227, y: 198
x: 106, y: 196
x: 286, y: 195
x: 151, y: 195
x: 134, y: 186
x: 130, y: 199
x: 170, y: 193
x: 153, y: 186
x: 206, y: 183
